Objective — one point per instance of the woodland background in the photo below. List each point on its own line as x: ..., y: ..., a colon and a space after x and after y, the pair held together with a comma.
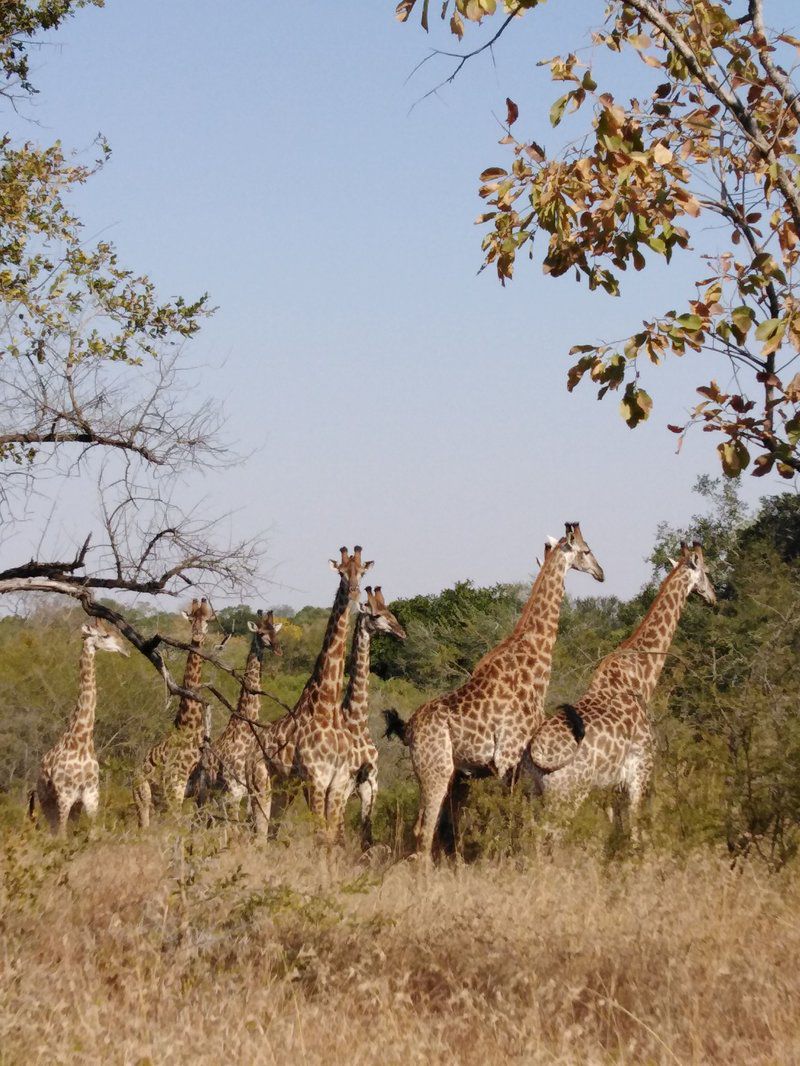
x: 728, y: 768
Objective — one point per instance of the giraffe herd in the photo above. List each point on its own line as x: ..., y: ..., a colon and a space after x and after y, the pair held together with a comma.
x: 493, y: 724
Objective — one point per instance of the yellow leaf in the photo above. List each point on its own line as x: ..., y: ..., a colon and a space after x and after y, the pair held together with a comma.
x: 662, y: 154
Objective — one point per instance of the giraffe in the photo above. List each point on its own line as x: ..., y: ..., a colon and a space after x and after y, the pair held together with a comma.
x: 311, y: 742
x: 606, y: 740
x: 483, y: 726
x: 228, y: 753
x: 167, y: 766
x: 70, y: 775
x: 373, y: 617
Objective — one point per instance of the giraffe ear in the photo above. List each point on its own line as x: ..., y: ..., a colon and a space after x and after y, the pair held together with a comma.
x: 188, y: 617
x: 369, y: 564
x: 252, y: 626
x: 278, y: 627
x: 671, y: 562
x: 334, y: 565
x: 87, y: 630
x: 552, y: 541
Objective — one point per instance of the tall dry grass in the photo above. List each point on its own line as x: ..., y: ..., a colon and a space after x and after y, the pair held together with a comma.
x: 174, y: 948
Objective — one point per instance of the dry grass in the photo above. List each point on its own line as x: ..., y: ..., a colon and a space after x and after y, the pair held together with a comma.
x: 169, y: 949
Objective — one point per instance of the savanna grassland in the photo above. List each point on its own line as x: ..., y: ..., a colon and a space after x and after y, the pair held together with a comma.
x: 182, y: 947
x: 192, y: 942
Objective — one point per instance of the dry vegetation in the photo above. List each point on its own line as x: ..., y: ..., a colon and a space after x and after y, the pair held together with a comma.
x: 180, y: 947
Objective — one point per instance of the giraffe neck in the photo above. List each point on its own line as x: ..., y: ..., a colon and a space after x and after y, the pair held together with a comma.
x: 81, y: 724
x: 549, y: 584
x: 649, y: 643
x: 324, y: 687
x: 356, y: 698
x: 190, y: 712
x: 250, y: 702
x: 526, y: 655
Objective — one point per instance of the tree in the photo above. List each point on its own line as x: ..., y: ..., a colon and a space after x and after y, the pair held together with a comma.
x: 93, y: 381
x: 712, y: 135
x: 447, y: 633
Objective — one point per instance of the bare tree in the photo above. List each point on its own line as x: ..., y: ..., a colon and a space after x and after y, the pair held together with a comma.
x: 94, y: 386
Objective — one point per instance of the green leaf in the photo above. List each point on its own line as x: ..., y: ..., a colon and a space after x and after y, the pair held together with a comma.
x: 734, y: 457
x: 690, y: 323
x: 742, y: 319
x: 771, y: 332
x: 558, y: 108
x: 767, y: 329
x: 635, y: 406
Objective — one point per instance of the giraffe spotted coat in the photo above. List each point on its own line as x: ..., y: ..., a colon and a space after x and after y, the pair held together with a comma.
x: 485, y: 725
x: 69, y: 776
x: 606, y: 740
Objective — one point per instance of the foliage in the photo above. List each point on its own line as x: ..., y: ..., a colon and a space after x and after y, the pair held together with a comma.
x: 712, y: 134
x: 20, y: 22
x: 63, y: 300
x: 91, y: 379
x: 447, y: 633
x: 725, y: 713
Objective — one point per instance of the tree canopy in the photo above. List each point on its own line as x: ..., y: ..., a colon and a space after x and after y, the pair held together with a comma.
x: 710, y: 137
x: 92, y: 378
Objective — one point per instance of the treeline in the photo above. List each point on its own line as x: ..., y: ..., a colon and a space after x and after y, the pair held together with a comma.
x: 727, y: 710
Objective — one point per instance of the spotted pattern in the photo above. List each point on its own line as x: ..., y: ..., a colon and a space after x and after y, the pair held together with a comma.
x: 617, y: 747
x: 311, y: 742
x: 485, y: 725
x: 69, y: 776
x: 226, y: 763
x: 162, y: 778
x: 374, y: 617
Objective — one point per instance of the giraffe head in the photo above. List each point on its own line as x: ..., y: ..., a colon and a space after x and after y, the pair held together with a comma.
x: 379, y: 618
x: 265, y: 633
x: 101, y: 638
x: 199, y: 614
x: 693, y: 560
x: 579, y: 554
x: 351, y: 569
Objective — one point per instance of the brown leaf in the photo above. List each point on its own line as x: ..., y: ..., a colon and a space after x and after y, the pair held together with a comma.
x: 513, y: 112
x: 404, y: 9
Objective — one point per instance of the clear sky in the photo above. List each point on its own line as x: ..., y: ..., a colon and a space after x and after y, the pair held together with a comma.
x: 388, y: 394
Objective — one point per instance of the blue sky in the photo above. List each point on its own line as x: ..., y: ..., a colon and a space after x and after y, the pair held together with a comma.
x: 387, y: 393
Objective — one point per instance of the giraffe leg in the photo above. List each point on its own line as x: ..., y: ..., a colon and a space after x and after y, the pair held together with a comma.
x: 335, y: 803
x: 432, y: 759
x: 259, y: 787
x: 565, y: 789
x: 449, y: 819
x: 367, y: 791
x: 65, y: 805
x: 316, y: 797
x: 143, y: 799
x: 638, y: 780
x: 48, y: 804
x: 174, y: 792
x: 91, y: 802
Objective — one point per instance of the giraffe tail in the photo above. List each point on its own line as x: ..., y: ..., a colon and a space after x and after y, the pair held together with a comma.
x: 31, y: 803
x: 574, y: 720
x: 395, y: 726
